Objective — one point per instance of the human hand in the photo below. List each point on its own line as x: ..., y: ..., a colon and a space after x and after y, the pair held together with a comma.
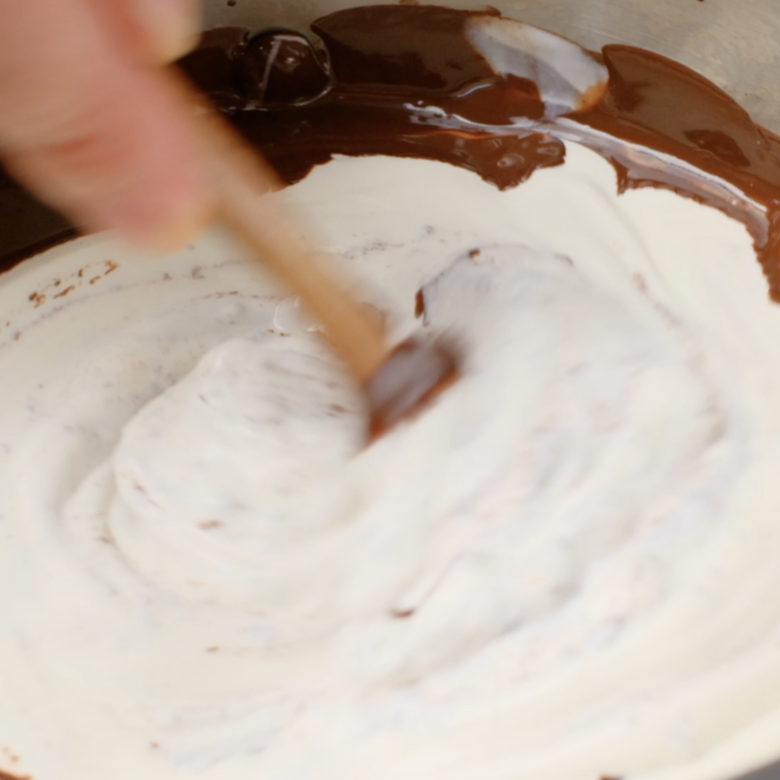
x: 88, y: 120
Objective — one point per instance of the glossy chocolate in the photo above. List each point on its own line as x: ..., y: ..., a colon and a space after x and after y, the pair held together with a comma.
x: 659, y: 104
x: 354, y: 94
x: 403, y: 80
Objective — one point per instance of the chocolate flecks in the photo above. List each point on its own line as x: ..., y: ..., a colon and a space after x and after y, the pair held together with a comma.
x: 220, y: 295
x: 154, y: 745
x: 55, y: 289
x: 213, y: 650
x: 404, y: 614
x: 211, y: 525
x: 142, y: 490
x: 11, y: 755
x: 419, y: 304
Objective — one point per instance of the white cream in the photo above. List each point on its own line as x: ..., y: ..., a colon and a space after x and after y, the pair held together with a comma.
x: 566, y: 568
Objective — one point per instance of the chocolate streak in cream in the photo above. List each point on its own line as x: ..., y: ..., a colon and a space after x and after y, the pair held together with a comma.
x: 356, y: 93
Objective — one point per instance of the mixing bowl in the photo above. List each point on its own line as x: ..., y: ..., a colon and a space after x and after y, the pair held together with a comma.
x: 736, y: 45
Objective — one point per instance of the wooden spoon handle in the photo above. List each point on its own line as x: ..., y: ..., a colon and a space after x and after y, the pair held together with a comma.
x: 241, y: 179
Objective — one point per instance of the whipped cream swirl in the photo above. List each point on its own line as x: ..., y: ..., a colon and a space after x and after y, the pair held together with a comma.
x: 564, y: 567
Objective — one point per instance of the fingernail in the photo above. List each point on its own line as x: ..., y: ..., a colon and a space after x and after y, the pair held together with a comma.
x: 179, y: 229
x: 173, y: 25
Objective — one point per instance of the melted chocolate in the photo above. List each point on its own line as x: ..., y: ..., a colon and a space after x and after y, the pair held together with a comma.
x: 405, y: 81
x: 356, y: 94
x: 657, y: 103
x: 284, y: 70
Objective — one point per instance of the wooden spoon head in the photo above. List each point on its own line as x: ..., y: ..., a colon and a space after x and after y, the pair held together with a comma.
x: 411, y: 376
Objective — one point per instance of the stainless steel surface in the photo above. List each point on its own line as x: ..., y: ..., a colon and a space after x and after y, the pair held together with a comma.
x: 736, y: 43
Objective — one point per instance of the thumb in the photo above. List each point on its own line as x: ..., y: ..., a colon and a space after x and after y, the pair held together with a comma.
x: 91, y: 129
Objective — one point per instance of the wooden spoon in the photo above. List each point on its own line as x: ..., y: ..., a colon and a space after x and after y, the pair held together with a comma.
x: 396, y: 381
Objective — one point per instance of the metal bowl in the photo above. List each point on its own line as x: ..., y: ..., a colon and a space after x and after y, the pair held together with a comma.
x: 735, y: 43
